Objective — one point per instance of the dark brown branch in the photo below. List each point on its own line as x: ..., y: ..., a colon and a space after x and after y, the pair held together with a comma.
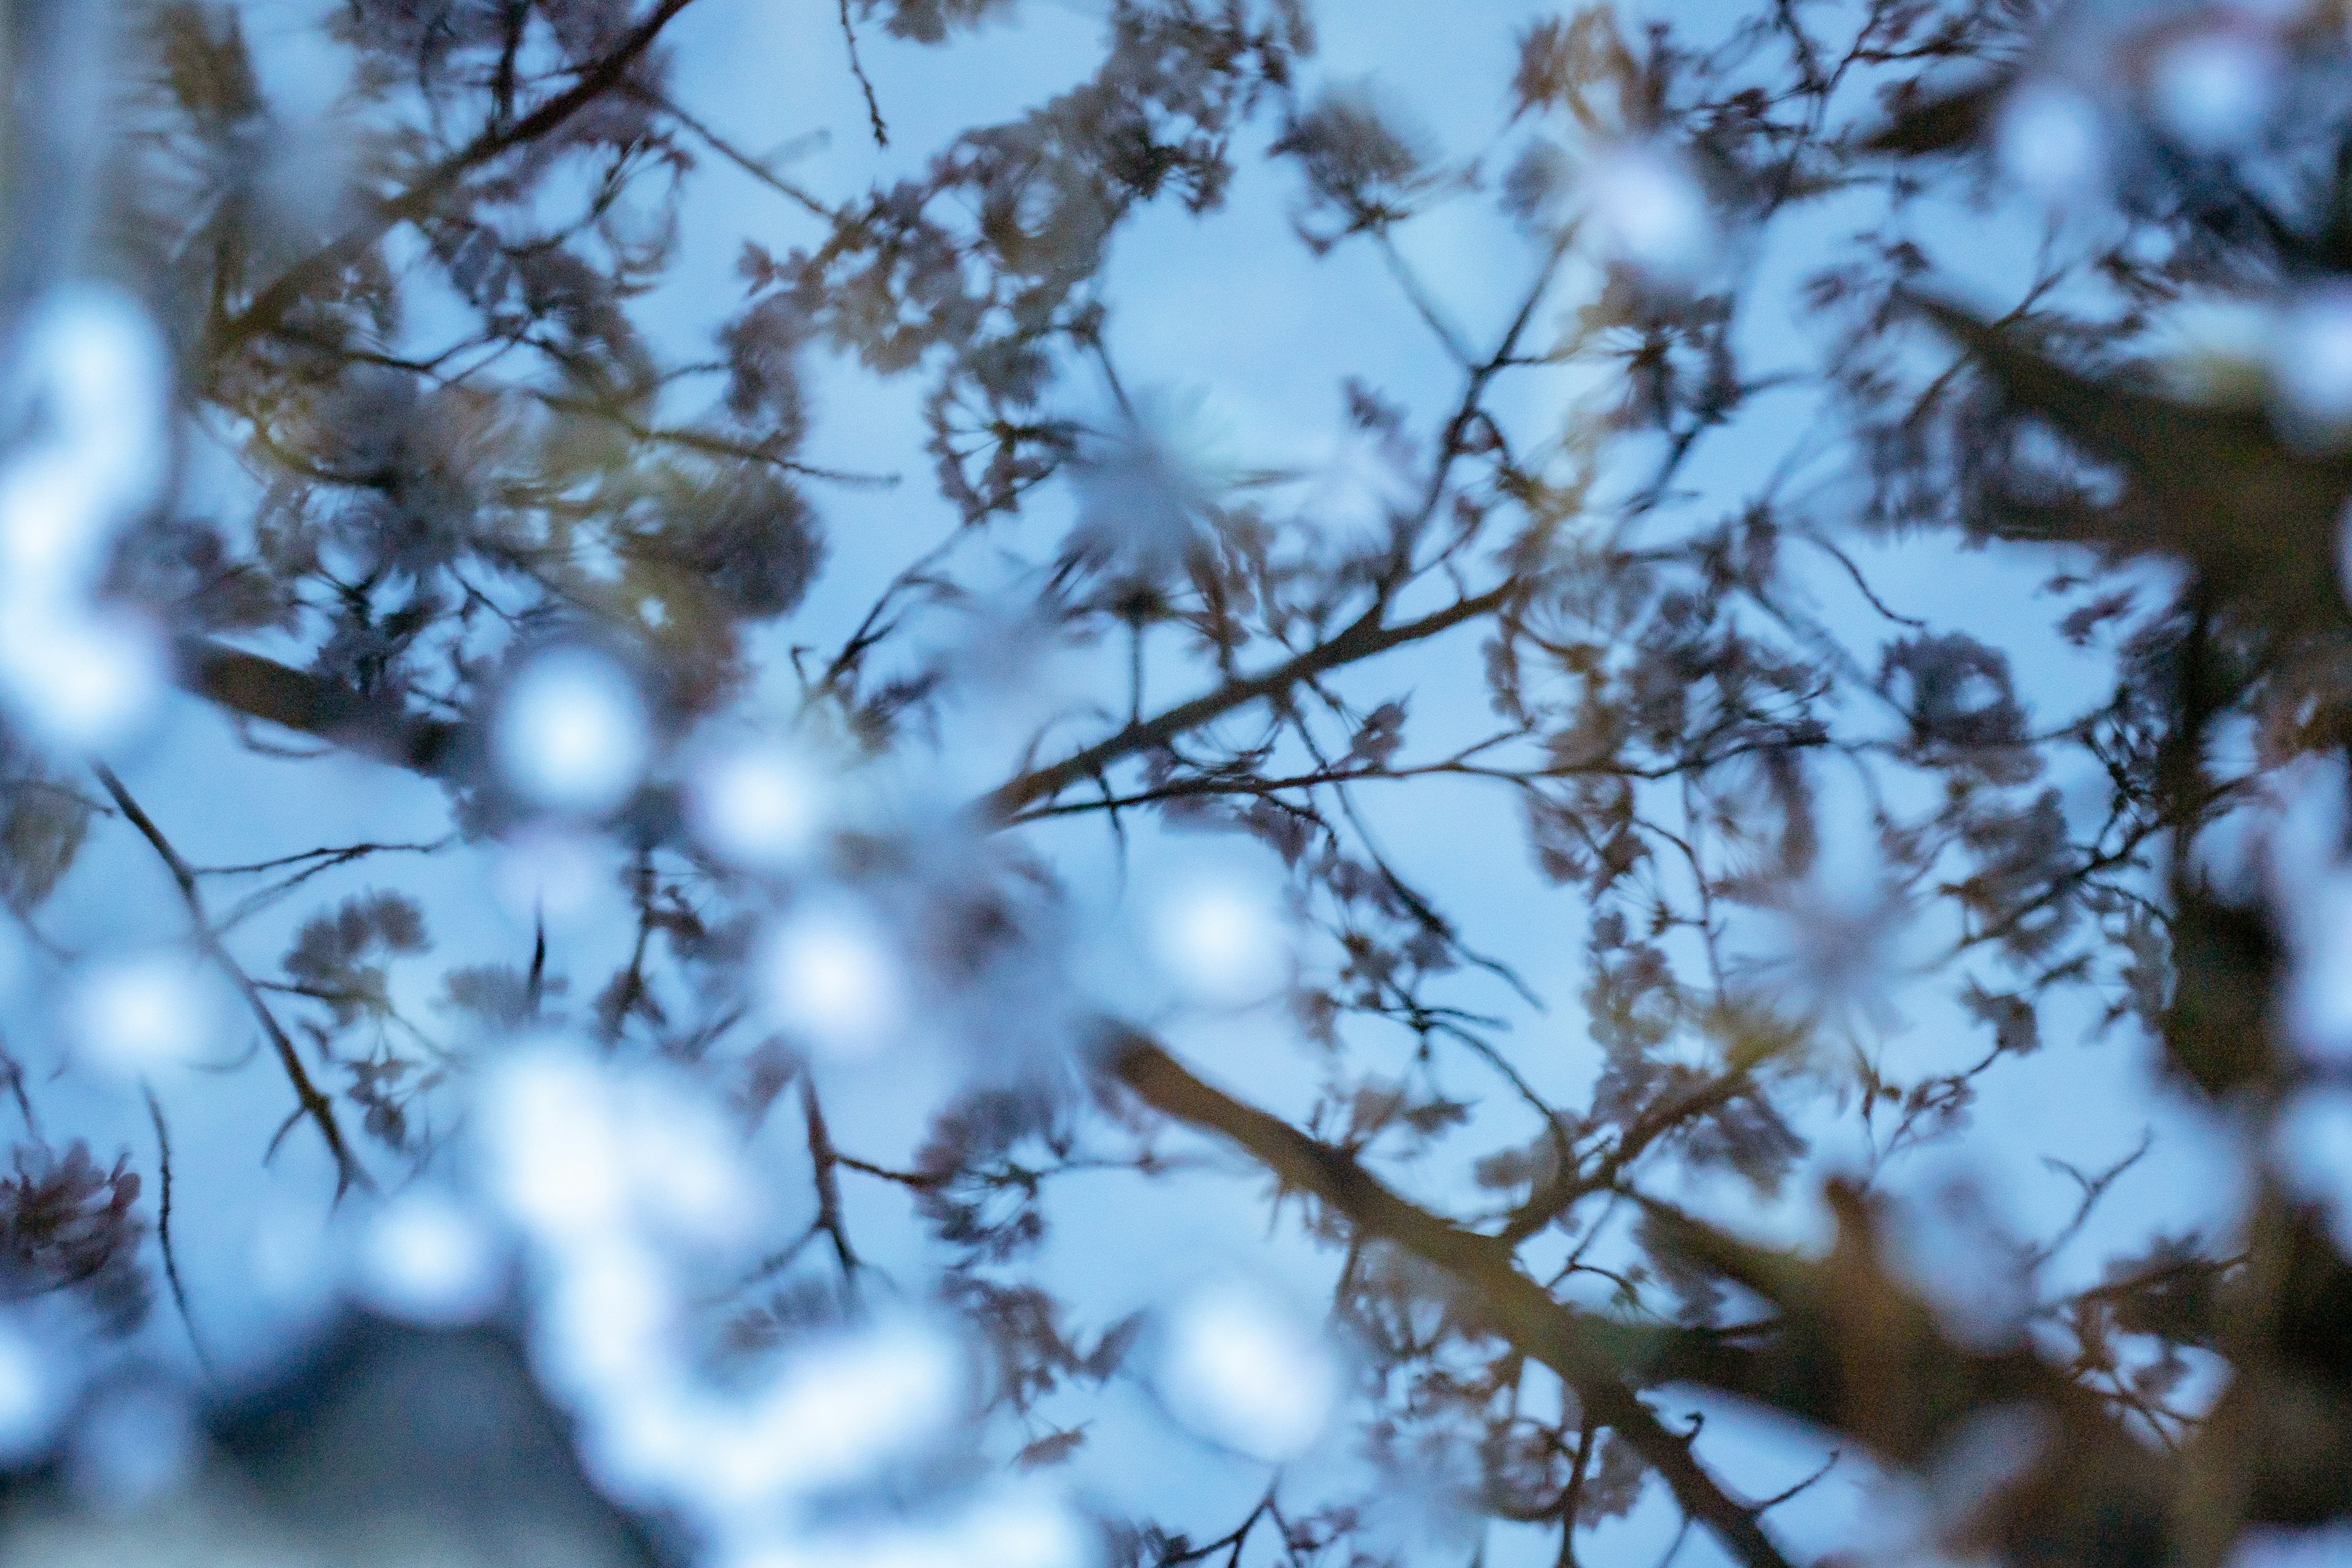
x: 258, y: 687
x: 271, y: 306
x: 865, y: 83
x: 1364, y: 639
x: 163, y: 1230
x: 1518, y: 1308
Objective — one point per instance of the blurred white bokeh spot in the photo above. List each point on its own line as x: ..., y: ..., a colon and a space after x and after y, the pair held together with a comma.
x: 2212, y: 88
x: 94, y: 367
x: 1244, y: 1371
x: 685, y: 1174
x: 571, y: 733
x: 1645, y: 208
x: 603, y: 1322
x: 83, y: 678
x: 2312, y: 1145
x: 832, y: 978
x: 760, y: 806
x: 839, y: 1411
x: 138, y: 1012
x: 2051, y: 140
x: 553, y: 1153
x: 1222, y: 941
x: 427, y: 1259
x: 2311, y: 361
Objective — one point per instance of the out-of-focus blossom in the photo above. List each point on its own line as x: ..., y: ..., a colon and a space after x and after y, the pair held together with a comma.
x: 427, y: 1259
x: 2212, y: 88
x: 604, y: 1322
x: 92, y: 390
x: 1646, y: 209
x: 1148, y: 489
x: 2312, y: 1146
x: 2051, y: 140
x: 831, y: 977
x: 839, y: 1411
x: 1242, y: 1371
x: 571, y: 734
x: 1222, y: 941
x: 763, y: 806
x: 599, y: 1170
x: 1353, y: 486
x: 2311, y: 364
x: 575, y: 1151
x: 137, y: 1013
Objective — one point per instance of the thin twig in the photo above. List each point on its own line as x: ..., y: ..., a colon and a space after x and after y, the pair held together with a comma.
x: 310, y: 1101
x: 865, y: 84
x: 164, y: 1231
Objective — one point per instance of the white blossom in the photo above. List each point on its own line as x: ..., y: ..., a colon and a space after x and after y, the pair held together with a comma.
x: 2051, y: 140
x: 571, y: 734
x: 2212, y: 88
x: 1240, y: 1369
x: 831, y: 977
x: 1647, y: 209
x: 1222, y: 941
x: 762, y: 806
x: 135, y: 1013
x: 427, y: 1259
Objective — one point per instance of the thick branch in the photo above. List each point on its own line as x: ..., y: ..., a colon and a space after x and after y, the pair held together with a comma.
x: 257, y: 688
x: 1518, y: 1308
x: 1364, y: 639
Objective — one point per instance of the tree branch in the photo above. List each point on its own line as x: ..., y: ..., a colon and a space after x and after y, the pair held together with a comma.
x: 271, y: 307
x: 1518, y: 1308
x: 349, y: 1172
x: 1363, y: 640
